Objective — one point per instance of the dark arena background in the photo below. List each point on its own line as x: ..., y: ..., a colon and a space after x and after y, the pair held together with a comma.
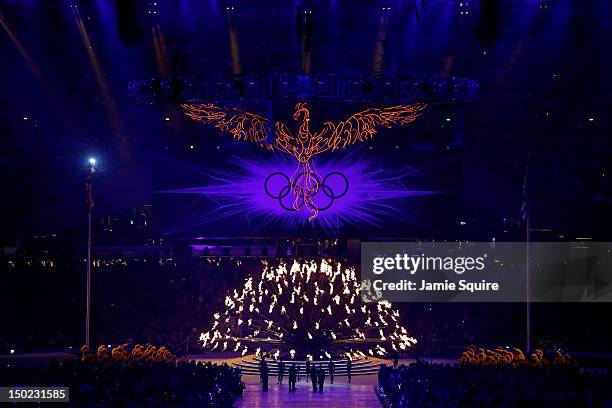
x: 186, y: 187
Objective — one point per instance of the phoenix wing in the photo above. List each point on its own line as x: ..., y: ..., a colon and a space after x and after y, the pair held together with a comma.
x: 241, y: 125
x: 365, y: 124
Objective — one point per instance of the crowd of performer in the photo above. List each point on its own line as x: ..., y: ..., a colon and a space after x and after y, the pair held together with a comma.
x: 514, y: 357
x: 316, y: 373
x: 132, y: 376
x: 504, y: 377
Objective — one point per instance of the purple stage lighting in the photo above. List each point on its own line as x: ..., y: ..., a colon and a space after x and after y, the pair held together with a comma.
x: 348, y: 190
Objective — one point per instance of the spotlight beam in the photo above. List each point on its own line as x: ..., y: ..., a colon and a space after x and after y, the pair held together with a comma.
x: 103, y: 87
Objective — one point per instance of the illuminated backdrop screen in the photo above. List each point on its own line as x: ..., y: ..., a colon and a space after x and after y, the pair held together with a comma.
x: 245, y: 191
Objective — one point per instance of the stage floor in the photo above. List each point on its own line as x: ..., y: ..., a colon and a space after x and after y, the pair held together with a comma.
x: 358, y: 394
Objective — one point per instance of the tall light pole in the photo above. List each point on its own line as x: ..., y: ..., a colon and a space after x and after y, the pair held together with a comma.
x: 91, y: 169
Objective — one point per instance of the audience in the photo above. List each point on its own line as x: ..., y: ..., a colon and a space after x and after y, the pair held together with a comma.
x: 140, y: 300
x: 171, y: 301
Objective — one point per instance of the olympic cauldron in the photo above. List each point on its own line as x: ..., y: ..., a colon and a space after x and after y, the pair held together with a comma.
x: 309, y: 307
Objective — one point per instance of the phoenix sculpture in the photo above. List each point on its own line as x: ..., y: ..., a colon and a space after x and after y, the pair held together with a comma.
x: 305, y: 144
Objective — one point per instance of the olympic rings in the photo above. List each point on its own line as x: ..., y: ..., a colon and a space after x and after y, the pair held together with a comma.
x: 346, y: 185
x: 303, y: 190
